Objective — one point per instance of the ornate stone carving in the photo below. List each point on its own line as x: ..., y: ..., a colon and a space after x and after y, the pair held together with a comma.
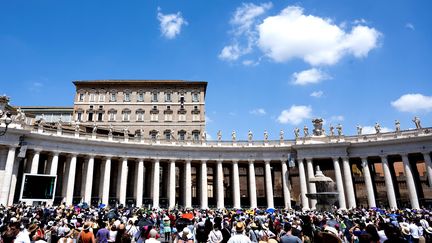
x: 250, y: 136
x: 359, y: 129
x: 331, y: 130
x: 296, y: 132
x: 377, y: 128
x: 339, y: 129
x: 306, y: 131
x: 317, y: 123
x: 397, y: 126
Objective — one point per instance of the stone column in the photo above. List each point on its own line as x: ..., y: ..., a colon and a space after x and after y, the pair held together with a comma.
x: 388, y: 182
x: 368, y: 182
x: 106, y: 181
x: 14, y: 181
x: 139, y: 183
x: 339, y: 183
x: 35, y: 162
x: 410, y: 182
x: 54, y: 163
x: 285, y: 185
x: 71, y: 180
x: 123, y: 181
x: 311, y: 186
x: 7, y: 176
x: 156, y: 172
x: 188, y: 184
x: 348, y: 183
x: 204, y: 197
x: 269, y: 184
x: 252, y: 185
x: 172, y: 184
x: 89, y: 179
x: 427, y: 159
x: 236, y: 185
x: 220, y: 188
x: 303, y: 187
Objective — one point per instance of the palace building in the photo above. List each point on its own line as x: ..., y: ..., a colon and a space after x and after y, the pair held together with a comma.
x: 143, y: 143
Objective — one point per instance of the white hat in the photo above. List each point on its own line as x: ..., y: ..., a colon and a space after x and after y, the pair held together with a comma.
x: 186, y: 233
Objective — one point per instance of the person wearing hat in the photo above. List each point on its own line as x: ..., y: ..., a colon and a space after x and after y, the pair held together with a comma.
x: 265, y: 233
x: 86, y: 235
x: 167, y: 227
x: 239, y: 236
x: 254, y: 232
x: 185, y: 236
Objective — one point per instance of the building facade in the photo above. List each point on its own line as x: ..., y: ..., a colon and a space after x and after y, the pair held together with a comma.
x: 169, y: 109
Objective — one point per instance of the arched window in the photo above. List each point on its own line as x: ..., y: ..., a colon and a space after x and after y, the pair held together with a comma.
x: 153, y: 134
x: 126, y: 114
x: 140, y: 115
x: 167, y: 134
x: 112, y: 115
x: 195, y: 135
x: 182, y: 135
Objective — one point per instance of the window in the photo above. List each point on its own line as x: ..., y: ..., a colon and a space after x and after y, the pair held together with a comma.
x: 101, y: 97
x: 126, y: 115
x: 168, y: 117
x: 100, y: 116
x: 195, y: 117
x: 140, y: 115
x: 81, y: 97
x: 167, y: 134
x: 90, y: 116
x: 112, y: 116
x: 126, y: 96
x: 154, y: 96
x: 153, y: 134
x: 92, y: 97
x: 140, y: 96
x: 168, y: 97
x: 195, y: 135
x: 182, y: 135
x: 154, y: 117
x: 182, y: 117
x: 195, y: 97
x: 79, y: 116
x: 113, y: 97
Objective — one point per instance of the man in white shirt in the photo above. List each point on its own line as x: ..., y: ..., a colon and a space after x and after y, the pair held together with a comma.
x: 239, y: 237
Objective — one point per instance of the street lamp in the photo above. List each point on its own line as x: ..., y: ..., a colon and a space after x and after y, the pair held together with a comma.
x: 6, y: 119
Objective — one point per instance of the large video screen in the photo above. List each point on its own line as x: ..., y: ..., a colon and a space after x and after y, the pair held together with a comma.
x: 38, y: 187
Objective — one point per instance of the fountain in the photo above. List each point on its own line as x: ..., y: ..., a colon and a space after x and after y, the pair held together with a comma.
x: 326, y: 195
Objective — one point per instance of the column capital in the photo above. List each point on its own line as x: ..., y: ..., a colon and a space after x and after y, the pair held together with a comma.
x: 235, y: 161
x: 219, y: 161
x: 188, y: 161
x: 91, y: 156
x: 403, y: 155
x: 203, y: 161
x: 156, y: 160
x: 383, y: 156
x: 107, y: 157
x: 267, y: 161
x: 55, y: 153
x: 140, y: 159
x: 335, y: 158
x: 344, y: 157
x: 73, y: 154
x: 125, y: 158
x: 308, y: 158
x: 251, y: 161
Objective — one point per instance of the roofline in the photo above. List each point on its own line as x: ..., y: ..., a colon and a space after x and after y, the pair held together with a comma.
x: 133, y: 81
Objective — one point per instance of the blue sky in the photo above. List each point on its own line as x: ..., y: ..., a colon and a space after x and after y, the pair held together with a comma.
x: 269, y: 65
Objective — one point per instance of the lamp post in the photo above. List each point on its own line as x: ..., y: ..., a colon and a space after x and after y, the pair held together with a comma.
x: 6, y: 118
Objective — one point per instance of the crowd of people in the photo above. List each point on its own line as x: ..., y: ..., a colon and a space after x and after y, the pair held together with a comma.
x: 83, y: 224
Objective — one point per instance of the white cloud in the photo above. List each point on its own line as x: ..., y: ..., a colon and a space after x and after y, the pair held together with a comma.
x: 245, y: 16
x: 409, y: 26
x: 317, y: 94
x: 371, y: 130
x: 230, y: 53
x: 316, y: 40
x: 170, y: 24
x: 295, y: 114
x: 35, y: 86
x: 413, y: 103
x: 258, y: 112
x: 243, y: 23
x: 310, y: 76
x: 337, y: 118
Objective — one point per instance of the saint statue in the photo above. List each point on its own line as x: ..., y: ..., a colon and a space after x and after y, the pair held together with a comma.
x: 219, y: 135
x: 397, y: 126
x: 359, y: 129
x: 94, y: 128
x: 110, y: 130
x: 339, y: 129
x: 331, y: 130
x: 416, y: 121
x: 377, y: 128
x: 265, y: 135
x: 306, y: 131
x: 233, y: 135
x: 250, y: 136
x: 296, y: 132
x: 281, y: 135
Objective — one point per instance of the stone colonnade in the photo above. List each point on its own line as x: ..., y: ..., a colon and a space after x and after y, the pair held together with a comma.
x: 68, y: 174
